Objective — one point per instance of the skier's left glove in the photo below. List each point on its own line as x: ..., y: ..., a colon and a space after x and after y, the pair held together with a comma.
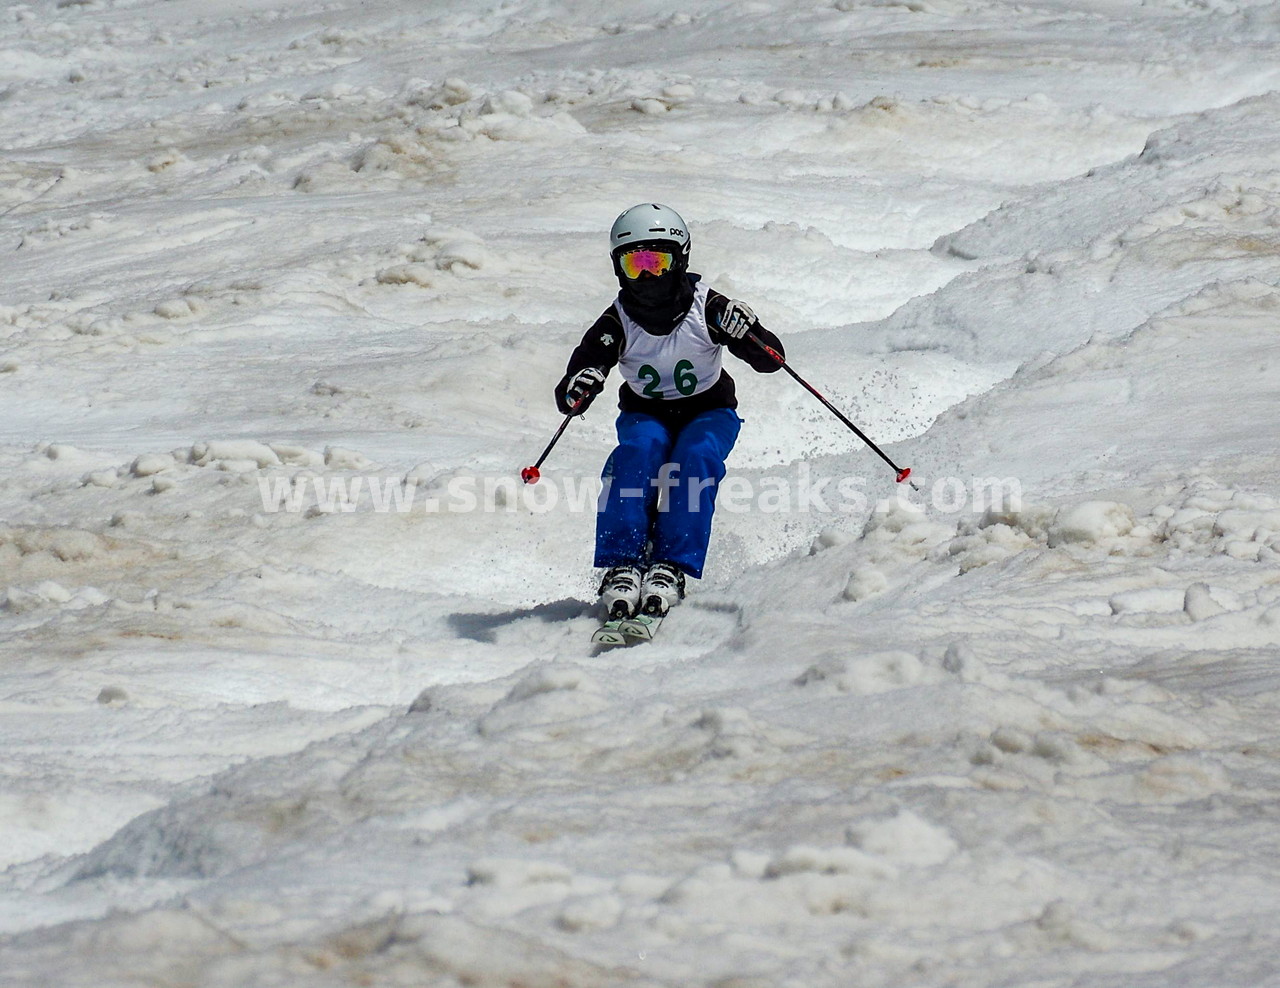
x: 737, y: 319
x: 578, y: 391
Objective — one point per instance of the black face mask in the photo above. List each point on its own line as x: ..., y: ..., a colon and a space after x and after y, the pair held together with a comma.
x: 652, y: 290
x: 658, y: 304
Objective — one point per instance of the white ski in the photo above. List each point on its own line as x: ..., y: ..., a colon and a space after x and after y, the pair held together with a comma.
x: 642, y: 627
x: 627, y: 631
x: 610, y: 633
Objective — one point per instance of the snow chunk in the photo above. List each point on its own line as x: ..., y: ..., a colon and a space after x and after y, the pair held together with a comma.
x: 903, y: 838
x: 398, y: 155
x: 327, y: 176
x: 1033, y: 520
x: 549, y: 679
x: 829, y: 538
x: 112, y: 696
x: 233, y: 451
x: 1012, y: 740
x: 734, y: 733
x: 1095, y: 522
x: 166, y: 160
x: 450, y: 92
x: 1245, y: 524
x: 54, y: 593
x: 160, y: 930
x: 19, y: 601
x: 297, y: 456
x: 1148, y: 600
x: 550, y: 695
x: 407, y: 274
x: 907, y: 528
x: 1060, y: 923
x: 456, y: 255
x: 878, y: 672
x: 508, y: 101
x: 1199, y: 603
x: 101, y: 478
x: 1181, y: 778
x: 337, y: 458
x: 829, y: 861
x: 503, y: 126
x: 61, y: 451
x: 996, y: 536
x: 792, y: 99
x: 961, y: 660
x: 597, y: 912
x: 514, y: 873
x: 66, y: 545
x: 150, y: 464
x: 177, y: 308
x: 865, y: 582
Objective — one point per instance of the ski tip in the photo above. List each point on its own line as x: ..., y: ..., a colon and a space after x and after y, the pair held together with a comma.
x: 530, y: 475
x: 640, y: 628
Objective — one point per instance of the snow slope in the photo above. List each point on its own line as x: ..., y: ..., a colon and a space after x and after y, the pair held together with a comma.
x: 260, y: 249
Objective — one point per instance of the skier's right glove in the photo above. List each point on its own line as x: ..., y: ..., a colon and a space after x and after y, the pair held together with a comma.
x: 578, y: 391
x: 737, y: 319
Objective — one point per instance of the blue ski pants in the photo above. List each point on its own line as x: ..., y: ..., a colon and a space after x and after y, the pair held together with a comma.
x: 660, y: 489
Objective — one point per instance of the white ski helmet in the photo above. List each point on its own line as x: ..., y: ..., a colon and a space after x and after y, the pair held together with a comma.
x: 646, y: 223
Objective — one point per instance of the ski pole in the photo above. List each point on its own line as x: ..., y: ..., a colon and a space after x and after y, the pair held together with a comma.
x: 531, y: 474
x: 903, y: 473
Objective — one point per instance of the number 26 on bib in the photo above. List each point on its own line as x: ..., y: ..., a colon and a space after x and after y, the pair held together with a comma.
x: 682, y: 377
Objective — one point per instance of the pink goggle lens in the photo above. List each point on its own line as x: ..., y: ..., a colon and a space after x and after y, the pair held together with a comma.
x: 637, y: 262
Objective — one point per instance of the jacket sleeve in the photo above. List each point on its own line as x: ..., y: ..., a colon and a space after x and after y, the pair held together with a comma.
x: 601, y: 347
x: 744, y: 349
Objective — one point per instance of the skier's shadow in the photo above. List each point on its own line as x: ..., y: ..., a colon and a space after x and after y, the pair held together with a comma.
x: 484, y: 627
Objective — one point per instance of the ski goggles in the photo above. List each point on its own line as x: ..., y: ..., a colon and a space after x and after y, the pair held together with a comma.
x: 637, y: 262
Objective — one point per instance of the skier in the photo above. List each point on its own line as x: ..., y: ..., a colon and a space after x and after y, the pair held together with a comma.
x: 666, y: 331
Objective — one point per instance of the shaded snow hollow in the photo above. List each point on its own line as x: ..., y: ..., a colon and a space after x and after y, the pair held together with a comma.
x: 262, y: 251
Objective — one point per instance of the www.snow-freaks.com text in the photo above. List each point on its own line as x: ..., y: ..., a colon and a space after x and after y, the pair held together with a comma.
x: 797, y: 493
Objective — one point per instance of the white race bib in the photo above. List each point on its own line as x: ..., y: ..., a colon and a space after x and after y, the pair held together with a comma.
x: 683, y: 363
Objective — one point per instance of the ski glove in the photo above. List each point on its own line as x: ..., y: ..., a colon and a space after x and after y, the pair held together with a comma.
x: 581, y: 390
x: 736, y: 320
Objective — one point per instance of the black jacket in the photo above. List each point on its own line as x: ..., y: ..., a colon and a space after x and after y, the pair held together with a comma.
x: 601, y: 347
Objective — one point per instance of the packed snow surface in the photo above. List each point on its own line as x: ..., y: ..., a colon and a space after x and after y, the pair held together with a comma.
x: 295, y: 682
